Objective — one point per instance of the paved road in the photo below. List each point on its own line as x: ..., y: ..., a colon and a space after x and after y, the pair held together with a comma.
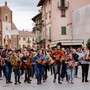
x: 49, y: 85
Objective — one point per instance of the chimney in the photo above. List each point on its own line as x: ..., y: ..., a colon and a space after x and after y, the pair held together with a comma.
x: 5, y: 3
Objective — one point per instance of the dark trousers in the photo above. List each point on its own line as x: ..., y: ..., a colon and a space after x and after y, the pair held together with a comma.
x: 27, y: 74
x: 57, y: 70
x: 17, y: 75
x: 76, y: 71
x: 0, y: 71
x: 39, y: 73
x: 8, y: 72
x: 64, y: 71
x: 45, y: 68
x: 85, y: 68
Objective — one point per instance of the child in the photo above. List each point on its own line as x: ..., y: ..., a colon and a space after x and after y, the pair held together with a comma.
x: 70, y: 68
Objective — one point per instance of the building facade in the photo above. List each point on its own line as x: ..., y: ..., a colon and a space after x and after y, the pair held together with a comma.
x: 37, y: 30
x: 57, y: 21
x: 6, y: 23
x: 81, y: 23
x: 26, y: 39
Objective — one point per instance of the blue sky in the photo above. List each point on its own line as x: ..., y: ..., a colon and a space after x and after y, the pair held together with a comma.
x: 23, y: 11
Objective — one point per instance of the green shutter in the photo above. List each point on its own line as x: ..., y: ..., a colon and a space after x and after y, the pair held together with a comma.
x: 63, y: 30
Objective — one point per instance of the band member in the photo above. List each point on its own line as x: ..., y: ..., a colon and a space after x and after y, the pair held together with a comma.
x: 45, y: 67
x: 57, y: 55
x: 0, y: 67
x: 84, y: 63
x: 26, y: 62
x: 16, y: 68
x: 8, y: 66
x: 70, y: 68
x: 75, y: 57
x: 64, y: 67
x: 38, y: 59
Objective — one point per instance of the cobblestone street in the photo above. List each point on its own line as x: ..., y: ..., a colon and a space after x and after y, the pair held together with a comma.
x: 49, y: 85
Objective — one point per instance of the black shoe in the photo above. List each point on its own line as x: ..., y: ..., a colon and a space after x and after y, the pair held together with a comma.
x: 28, y: 82
x: 82, y: 80
x: 19, y: 82
x: 7, y: 82
x: 54, y: 81
x: 15, y: 83
x: 25, y: 80
x: 86, y: 81
x: 60, y: 82
x: 10, y: 81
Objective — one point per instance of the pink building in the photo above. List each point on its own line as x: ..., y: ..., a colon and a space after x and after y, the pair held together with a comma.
x: 57, y: 21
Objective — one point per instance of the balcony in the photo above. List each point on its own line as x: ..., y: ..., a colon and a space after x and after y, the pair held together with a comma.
x: 42, y: 38
x: 39, y: 27
x: 28, y: 41
x: 38, y: 40
x: 63, y: 5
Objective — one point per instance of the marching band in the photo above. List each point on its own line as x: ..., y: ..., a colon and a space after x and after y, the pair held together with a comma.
x: 62, y: 63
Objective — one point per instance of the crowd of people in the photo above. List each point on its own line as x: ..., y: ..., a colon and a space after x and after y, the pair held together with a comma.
x: 60, y: 62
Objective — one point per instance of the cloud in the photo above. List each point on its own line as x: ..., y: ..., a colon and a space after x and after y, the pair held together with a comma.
x: 23, y: 11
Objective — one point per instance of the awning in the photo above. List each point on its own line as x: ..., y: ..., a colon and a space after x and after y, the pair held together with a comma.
x: 68, y: 42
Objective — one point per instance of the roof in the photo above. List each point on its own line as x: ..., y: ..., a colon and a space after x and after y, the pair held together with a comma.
x: 39, y: 14
x: 41, y: 2
x: 13, y: 26
x: 26, y: 34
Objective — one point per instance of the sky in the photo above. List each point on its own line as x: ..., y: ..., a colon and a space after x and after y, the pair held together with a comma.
x: 23, y: 12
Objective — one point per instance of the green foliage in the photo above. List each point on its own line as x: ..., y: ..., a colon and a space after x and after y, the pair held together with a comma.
x: 88, y: 44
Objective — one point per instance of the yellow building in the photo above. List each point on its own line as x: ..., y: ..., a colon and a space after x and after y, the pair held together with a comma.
x: 26, y: 39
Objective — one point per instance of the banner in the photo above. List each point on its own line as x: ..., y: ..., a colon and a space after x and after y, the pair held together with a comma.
x: 11, y: 32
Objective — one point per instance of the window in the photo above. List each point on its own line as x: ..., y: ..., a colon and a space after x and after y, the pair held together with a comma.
x: 46, y: 16
x: 49, y: 1
x: 63, y: 13
x: 6, y: 17
x: 28, y: 39
x: 24, y: 39
x: 49, y: 14
x: 49, y: 32
x: 63, y: 30
x: 62, y: 3
x: 24, y: 46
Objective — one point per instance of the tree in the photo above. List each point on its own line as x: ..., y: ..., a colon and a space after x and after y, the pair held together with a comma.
x: 88, y: 44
